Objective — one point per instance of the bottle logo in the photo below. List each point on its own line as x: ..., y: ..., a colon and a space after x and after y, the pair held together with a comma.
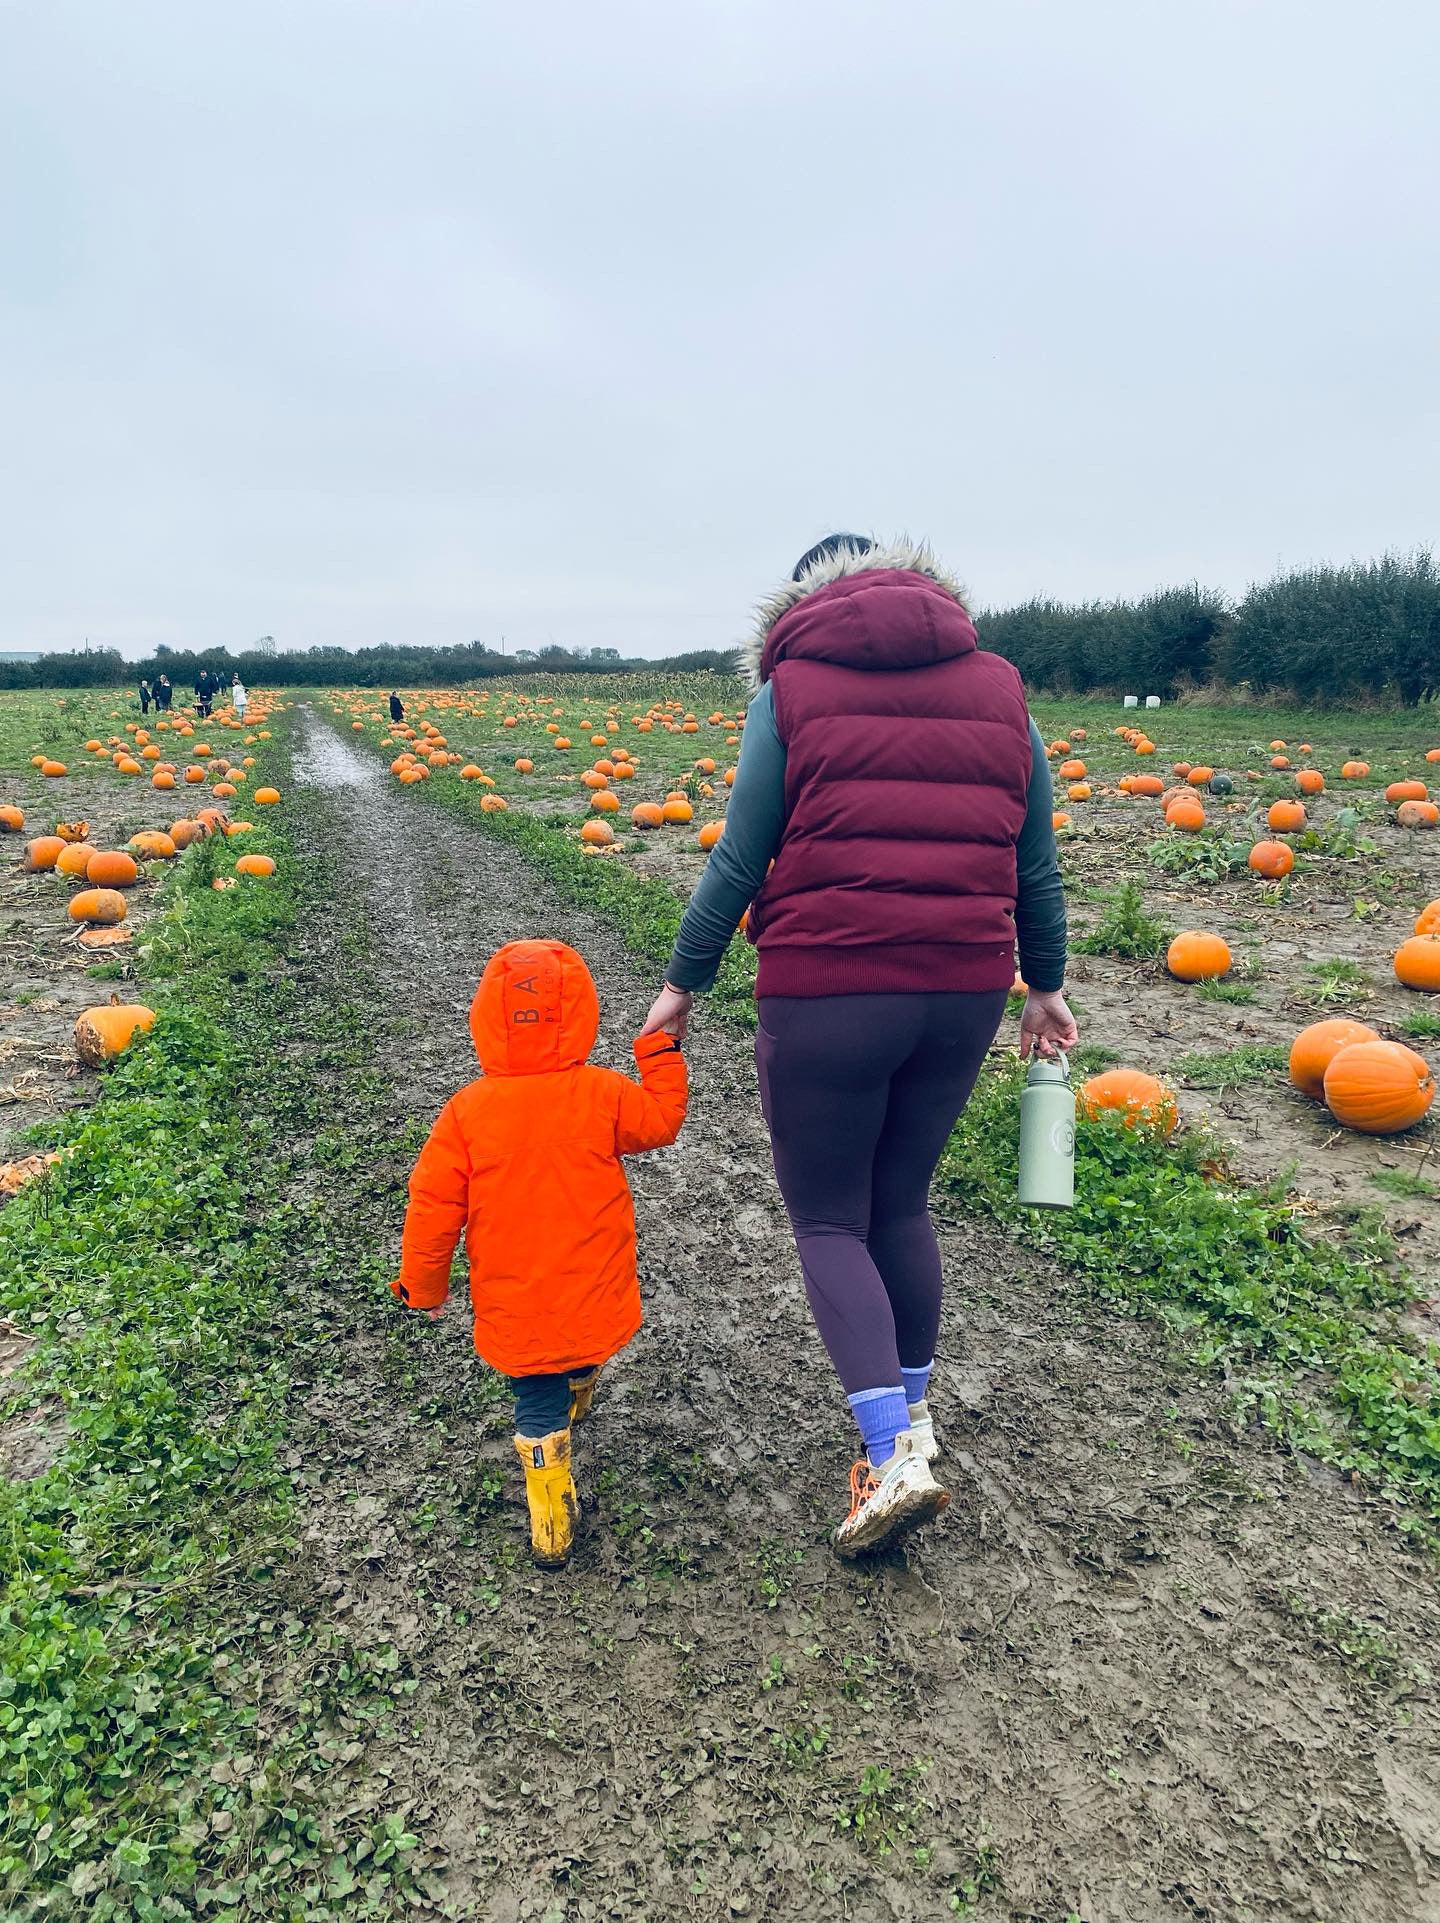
x: 1062, y: 1137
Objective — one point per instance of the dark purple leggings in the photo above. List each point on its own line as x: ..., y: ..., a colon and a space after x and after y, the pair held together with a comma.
x: 860, y: 1093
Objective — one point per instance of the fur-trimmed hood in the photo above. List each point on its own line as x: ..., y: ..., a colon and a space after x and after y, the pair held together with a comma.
x: 900, y: 556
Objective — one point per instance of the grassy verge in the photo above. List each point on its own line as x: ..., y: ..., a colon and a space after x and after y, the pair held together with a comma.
x: 147, y: 1771
x: 1311, y: 1323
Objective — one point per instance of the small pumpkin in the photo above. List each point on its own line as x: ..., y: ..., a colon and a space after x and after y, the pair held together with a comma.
x: 267, y: 797
x: 52, y: 770
x: 1195, y: 956
x: 1286, y: 817
x: 1146, y: 784
x: 1199, y: 776
x: 1427, y: 922
x: 12, y: 820
x: 74, y: 858
x: 42, y: 853
x: 1140, y: 1098
x: 1221, y: 785
x: 647, y: 814
x: 105, y: 1032
x: 1272, y: 859
x: 597, y: 834
x: 111, y: 868
x: 257, y: 865
x: 103, y: 905
x: 1187, y: 814
x: 1315, y: 1047
x: 1417, y: 963
x: 1354, y: 770
x: 525, y: 766
x: 1378, y: 1088
x: 493, y: 805
x: 1058, y: 820
x: 73, y: 830
x: 1310, y: 781
x: 1072, y: 771
x: 677, y: 811
x: 604, y: 802
x: 710, y: 834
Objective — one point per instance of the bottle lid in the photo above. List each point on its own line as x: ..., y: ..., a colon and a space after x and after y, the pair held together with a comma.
x: 1048, y: 1068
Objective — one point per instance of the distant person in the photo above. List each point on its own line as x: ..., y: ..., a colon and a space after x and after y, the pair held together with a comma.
x: 238, y: 698
x: 145, y: 697
x: 525, y: 1163
x: 164, y: 694
x: 889, y: 832
x: 204, y: 693
x: 397, y: 707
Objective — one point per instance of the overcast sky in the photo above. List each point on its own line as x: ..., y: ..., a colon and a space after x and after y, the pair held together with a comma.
x: 439, y: 319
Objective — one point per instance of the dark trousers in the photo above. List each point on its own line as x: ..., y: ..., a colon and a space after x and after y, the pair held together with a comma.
x: 860, y: 1093
x: 542, y: 1402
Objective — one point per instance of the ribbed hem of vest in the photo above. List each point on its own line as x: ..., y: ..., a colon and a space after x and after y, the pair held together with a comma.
x: 914, y: 968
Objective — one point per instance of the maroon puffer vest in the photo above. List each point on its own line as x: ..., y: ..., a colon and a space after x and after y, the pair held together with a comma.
x: 907, y: 765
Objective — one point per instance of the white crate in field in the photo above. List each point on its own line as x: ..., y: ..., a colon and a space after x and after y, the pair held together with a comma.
x: 1152, y: 701
x: 1132, y: 701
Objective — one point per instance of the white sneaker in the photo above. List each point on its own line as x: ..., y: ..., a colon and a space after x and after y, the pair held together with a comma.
x: 886, y: 1503
x: 922, y: 1427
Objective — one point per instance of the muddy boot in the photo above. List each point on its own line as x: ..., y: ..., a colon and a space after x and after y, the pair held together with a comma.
x: 922, y: 1428
x: 885, y: 1503
x: 582, y: 1393
x: 550, y: 1493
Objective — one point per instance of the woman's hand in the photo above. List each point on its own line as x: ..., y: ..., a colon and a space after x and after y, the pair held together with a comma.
x: 669, y: 1013
x: 1046, y: 1024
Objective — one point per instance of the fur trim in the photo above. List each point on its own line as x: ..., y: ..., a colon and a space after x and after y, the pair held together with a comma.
x: 904, y: 555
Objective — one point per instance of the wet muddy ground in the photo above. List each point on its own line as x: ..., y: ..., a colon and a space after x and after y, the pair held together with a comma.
x: 1145, y: 1669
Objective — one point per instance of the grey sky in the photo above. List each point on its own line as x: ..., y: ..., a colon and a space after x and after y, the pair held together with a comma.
x: 441, y: 319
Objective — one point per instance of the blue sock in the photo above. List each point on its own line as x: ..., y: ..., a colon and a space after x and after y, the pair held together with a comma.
x: 882, y: 1415
x: 916, y: 1381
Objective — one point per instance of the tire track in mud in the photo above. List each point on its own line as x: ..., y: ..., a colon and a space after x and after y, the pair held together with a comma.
x: 1090, y: 1686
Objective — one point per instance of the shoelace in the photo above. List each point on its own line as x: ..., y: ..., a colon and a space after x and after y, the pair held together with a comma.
x: 863, y: 1484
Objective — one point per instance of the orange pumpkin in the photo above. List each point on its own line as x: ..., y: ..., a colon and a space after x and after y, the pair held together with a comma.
x: 1286, y: 817
x: 525, y: 766
x: 606, y: 802
x: 12, y: 820
x: 152, y: 846
x: 494, y: 805
x: 1146, y: 784
x: 111, y: 868
x: 1186, y: 814
x: 1417, y: 963
x: 1310, y: 781
x: 1072, y: 770
x: 1315, y: 1047
x: 104, y: 905
x: 1271, y: 859
x: 710, y: 833
x: 1417, y: 814
x: 677, y: 811
x: 257, y: 865
x: 1078, y: 791
x: 1197, y: 777
x: 1378, y: 1087
x: 647, y: 814
x: 1354, y: 770
x: 42, y: 853
x: 74, y: 858
x: 267, y: 797
x: 103, y: 1033
x: 1399, y: 791
x: 597, y: 834
x: 1129, y: 1092
x: 1195, y: 956
x: 52, y: 770
x: 1427, y: 922
x: 1059, y: 819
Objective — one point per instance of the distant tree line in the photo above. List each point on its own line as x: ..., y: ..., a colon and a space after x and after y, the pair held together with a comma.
x: 1366, y: 632
x: 381, y: 667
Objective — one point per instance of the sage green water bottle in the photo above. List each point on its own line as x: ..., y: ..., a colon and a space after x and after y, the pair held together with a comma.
x: 1047, y: 1135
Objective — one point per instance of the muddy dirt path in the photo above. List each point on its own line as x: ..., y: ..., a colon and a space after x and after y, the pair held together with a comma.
x: 1113, y: 1684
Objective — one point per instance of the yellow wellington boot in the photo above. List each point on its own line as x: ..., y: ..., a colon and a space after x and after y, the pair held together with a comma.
x: 582, y: 1393
x: 550, y: 1492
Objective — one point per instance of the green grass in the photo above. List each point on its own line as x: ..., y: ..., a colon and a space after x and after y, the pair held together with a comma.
x: 1403, y: 1182
x: 1238, y: 994
x: 1125, y: 930
x: 1233, y: 1067
x: 1422, y: 1025
x: 141, y: 1572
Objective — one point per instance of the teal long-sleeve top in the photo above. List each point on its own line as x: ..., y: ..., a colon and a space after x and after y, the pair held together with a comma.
x: 755, y: 823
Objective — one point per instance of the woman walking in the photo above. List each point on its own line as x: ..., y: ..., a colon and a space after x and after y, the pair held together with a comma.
x: 892, y: 775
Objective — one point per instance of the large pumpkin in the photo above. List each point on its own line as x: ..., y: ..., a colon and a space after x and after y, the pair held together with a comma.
x: 267, y: 797
x: 111, y: 868
x: 1131, y: 1093
x: 1378, y: 1088
x: 1417, y: 814
x: 1417, y: 962
x: 103, y: 1033
x: 74, y: 858
x: 1399, y: 791
x: 257, y: 865
x: 103, y: 905
x: 42, y: 853
x: 597, y: 834
x: 1286, y: 816
x: 647, y: 814
x: 1195, y: 956
x: 1272, y: 859
x: 1187, y: 814
x: 1315, y: 1047
x: 1310, y: 781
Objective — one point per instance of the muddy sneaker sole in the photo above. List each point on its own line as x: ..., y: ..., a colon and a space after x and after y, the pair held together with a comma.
x: 891, y: 1515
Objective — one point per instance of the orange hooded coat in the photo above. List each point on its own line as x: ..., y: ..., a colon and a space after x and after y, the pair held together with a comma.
x: 526, y: 1161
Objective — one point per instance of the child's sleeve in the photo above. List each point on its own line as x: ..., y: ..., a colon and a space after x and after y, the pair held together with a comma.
x: 435, y: 1218
x: 651, y: 1115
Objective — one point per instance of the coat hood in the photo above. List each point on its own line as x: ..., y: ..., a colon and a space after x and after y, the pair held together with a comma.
x: 893, y: 606
x: 535, y: 1011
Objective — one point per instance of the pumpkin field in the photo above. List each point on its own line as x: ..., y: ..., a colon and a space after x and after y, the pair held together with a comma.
x: 270, y: 1645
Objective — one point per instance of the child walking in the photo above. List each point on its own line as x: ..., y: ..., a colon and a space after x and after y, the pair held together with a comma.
x: 526, y: 1163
